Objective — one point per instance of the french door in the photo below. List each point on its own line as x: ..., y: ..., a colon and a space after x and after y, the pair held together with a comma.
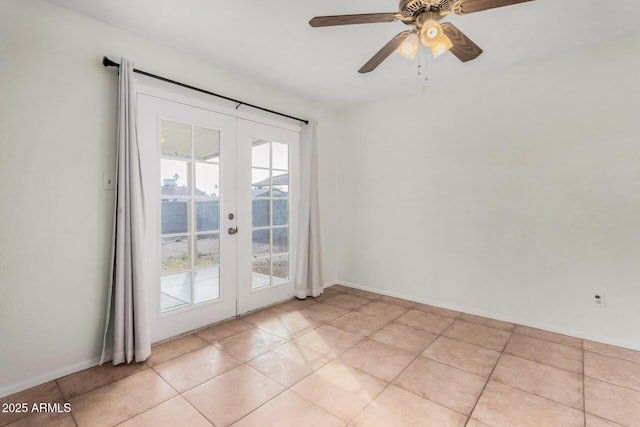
x: 266, y: 254
x: 220, y: 194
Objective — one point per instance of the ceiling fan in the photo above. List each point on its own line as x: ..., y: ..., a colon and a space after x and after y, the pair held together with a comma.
x: 422, y: 16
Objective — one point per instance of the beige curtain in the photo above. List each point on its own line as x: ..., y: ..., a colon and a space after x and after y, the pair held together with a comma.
x: 308, y: 278
x: 127, y: 335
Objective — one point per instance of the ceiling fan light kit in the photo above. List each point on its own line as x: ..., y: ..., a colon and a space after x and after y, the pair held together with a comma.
x: 409, y: 46
x: 422, y: 16
x: 443, y: 45
x: 432, y: 36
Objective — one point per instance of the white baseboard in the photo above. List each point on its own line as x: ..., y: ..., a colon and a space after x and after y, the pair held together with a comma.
x: 330, y: 284
x: 49, y: 376
x: 517, y: 321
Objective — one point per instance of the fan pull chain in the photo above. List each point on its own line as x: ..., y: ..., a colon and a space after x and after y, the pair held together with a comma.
x: 422, y: 77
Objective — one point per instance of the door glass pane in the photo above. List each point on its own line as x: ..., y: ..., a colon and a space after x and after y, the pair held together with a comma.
x: 260, y: 243
x: 261, y: 273
x: 260, y: 153
x: 207, y: 215
x: 175, y: 139
x: 260, y: 212
x: 280, y: 183
x: 260, y: 182
x: 175, y: 254
x: 280, y: 158
x: 207, y: 144
x: 270, y: 183
x: 190, y: 183
x: 207, y: 250
x: 174, y: 215
x: 174, y: 178
x: 280, y: 212
x: 207, y: 180
x: 175, y: 291
x: 280, y: 240
x: 280, y: 269
x: 206, y: 285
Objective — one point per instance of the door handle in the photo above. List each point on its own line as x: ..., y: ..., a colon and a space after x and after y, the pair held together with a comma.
x: 232, y: 230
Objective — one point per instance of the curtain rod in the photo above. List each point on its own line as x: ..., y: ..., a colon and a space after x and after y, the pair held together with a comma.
x: 109, y: 63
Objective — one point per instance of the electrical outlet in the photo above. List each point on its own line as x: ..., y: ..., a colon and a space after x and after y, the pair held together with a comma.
x: 108, y: 182
x: 599, y: 299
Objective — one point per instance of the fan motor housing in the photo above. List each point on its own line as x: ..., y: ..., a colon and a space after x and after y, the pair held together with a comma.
x: 435, y: 9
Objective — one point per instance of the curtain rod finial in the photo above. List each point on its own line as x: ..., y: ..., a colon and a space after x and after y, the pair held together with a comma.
x: 109, y: 63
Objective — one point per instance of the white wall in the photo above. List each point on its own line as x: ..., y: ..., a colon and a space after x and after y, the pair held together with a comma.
x: 57, y: 138
x: 514, y: 194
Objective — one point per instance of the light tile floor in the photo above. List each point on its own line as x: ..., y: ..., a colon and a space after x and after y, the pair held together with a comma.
x: 355, y: 358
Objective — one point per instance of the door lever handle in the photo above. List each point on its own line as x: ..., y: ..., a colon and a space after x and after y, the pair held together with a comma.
x: 232, y: 230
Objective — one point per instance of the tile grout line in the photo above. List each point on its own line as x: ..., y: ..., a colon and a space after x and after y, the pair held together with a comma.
x: 102, y: 386
x: 196, y: 409
x: 208, y: 379
x: 290, y: 388
x: 529, y: 392
x: 613, y: 384
x: 604, y: 381
x: 546, y: 340
x: 478, y: 345
x: 282, y: 392
x: 337, y: 357
x: 543, y: 363
x: 180, y: 394
x: 241, y: 364
x: 260, y: 405
x: 193, y: 333
x: 248, y: 366
x: 442, y: 334
x: 331, y: 358
x: 159, y: 403
x: 385, y: 387
x: 457, y: 367
x: 390, y: 383
x: 291, y: 341
x: 66, y: 401
x: 535, y: 394
x: 613, y: 357
x: 489, y: 377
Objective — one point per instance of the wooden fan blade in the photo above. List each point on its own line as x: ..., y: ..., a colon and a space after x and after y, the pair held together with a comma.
x: 363, y: 18
x: 470, y: 6
x: 463, y: 47
x: 383, y: 53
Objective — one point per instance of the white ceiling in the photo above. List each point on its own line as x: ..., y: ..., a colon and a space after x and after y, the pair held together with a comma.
x: 271, y: 41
